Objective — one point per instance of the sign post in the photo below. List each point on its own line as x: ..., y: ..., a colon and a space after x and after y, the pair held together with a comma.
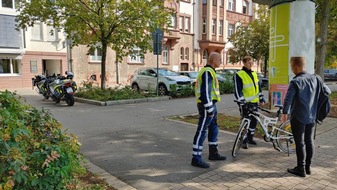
x: 157, y: 36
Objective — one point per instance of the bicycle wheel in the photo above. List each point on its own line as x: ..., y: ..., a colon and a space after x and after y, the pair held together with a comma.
x: 285, y: 139
x: 242, y: 134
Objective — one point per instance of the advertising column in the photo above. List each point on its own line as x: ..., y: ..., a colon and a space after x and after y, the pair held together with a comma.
x: 292, y: 33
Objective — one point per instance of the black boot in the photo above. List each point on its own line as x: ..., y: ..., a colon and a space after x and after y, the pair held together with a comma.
x: 199, y: 163
x: 307, y: 170
x: 250, y: 139
x: 214, y: 154
x: 299, y: 171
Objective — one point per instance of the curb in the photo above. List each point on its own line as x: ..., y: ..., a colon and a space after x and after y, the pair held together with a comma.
x: 111, y: 180
x: 117, y: 102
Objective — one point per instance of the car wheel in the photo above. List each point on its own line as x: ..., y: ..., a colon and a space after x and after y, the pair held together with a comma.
x: 162, y: 90
x: 135, y: 87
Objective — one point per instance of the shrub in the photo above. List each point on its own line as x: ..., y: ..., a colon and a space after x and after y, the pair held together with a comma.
x: 109, y: 94
x: 34, y: 152
x: 184, y: 91
x: 227, y: 86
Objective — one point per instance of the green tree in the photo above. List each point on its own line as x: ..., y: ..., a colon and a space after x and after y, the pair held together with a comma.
x: 118, y: 24
x: 252, y: 38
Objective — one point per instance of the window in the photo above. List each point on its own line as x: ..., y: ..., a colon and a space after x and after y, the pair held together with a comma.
x: 96, y: 55
x: 187, y: 24
x: 37, y: 32
x: 221, y: 3
x: 230, y: 29
x: 173, y: 21
x: 204, y: 1
x: 12, y: 4
x: 205, y: 55
x: 220, y: 27
x: 7, y: 4
x: 136, y: 56
x: 181, y: 53
x: 244, y: 7
x: 214, y: 2
x: 204, y: 25
x: 181, y: 23
x: 187, y: 54
x: 231, y: 5
x: 165, y: 55
x: 9, y: 66
x: 52, y: 34
x: 213, y: 26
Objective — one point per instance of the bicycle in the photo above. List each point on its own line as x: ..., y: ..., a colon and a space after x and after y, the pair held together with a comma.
x: 280, y: 135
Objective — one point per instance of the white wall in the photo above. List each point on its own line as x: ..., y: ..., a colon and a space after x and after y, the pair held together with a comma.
x: 187, y: 8
x: 44, y: 44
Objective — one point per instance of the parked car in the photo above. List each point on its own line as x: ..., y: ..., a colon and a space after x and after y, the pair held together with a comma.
x: 193, y: 76
x: 228, y: 71
x: 263, y: 80
x: 146, y: 79
x: 330, y: 74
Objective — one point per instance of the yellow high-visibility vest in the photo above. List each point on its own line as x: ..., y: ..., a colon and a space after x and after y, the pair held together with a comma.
x: 249, y: 90
x: 215, y: 84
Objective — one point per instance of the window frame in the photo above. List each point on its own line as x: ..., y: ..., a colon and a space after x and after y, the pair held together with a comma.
x: 54, y: 37
x: 244, y: 7
x: 231, y: 4
x: 182, y: 53
x: 231, y: 29
x: 34, y: 30
x: 14, y: 64
x: 187, y: 53
x: 165, y: 53
x: 138, y: 58
x: 204, y: 25
x: 214, y: 26
x: 94, y: 56
x: 220, y: 27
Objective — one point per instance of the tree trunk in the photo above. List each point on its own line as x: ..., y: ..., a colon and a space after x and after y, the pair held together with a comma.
x: 323, y: 34
x: 103, y: 63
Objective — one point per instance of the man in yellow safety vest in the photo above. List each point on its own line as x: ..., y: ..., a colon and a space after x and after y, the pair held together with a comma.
x: 207, y: 94
x: 248, y: 90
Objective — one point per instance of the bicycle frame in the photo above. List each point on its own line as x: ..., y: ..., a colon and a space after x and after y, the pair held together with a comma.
x: 265, y: 122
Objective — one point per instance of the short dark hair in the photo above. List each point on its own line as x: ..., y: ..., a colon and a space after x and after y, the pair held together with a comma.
x: 247, y: 58
x: 298, y: 61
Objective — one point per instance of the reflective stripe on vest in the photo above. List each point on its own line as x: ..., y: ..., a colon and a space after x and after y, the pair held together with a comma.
x: 250, y: 92
x: 215, y: 84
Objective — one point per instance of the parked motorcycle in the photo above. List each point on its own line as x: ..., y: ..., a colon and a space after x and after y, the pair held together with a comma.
x: 63, y: 88
x: 42, y: 84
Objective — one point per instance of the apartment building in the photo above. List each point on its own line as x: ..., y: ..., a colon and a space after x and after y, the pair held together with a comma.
x: 217, y: 22
x: 198, y: 28
x: 26, y: 53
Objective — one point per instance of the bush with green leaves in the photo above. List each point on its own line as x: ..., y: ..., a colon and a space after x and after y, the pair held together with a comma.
x: 34, y: 152
x: 227, y: 86
x: 184, y: 91
x: 110, y: 94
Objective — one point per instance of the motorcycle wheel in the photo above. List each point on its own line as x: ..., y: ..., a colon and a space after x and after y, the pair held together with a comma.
x: 70, y: 100
x: 57, y: 100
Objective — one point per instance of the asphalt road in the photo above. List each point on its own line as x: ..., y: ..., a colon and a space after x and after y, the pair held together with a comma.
x: 135, y: 142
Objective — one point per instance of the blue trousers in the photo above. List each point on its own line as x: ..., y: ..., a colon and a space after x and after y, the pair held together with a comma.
x: 205, y: 122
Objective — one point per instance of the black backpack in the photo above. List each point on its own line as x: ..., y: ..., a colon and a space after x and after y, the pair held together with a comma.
x: 323, y: 106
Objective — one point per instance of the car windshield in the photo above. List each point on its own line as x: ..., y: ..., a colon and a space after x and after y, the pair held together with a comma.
x: 166, y: 72
x: 193, y: 75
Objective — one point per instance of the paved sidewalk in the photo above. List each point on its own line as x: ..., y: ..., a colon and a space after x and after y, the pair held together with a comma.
x: 261, y: 167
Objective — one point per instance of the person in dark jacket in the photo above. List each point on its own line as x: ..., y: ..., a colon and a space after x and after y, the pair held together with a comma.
x: 207, y: 95
x: 301, y: 102
x: 247, y: 89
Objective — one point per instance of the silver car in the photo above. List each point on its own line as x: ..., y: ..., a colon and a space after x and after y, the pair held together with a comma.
x: 146, y: 79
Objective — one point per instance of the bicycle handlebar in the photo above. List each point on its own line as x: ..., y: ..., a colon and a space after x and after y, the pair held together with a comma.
x: 280, y: 107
